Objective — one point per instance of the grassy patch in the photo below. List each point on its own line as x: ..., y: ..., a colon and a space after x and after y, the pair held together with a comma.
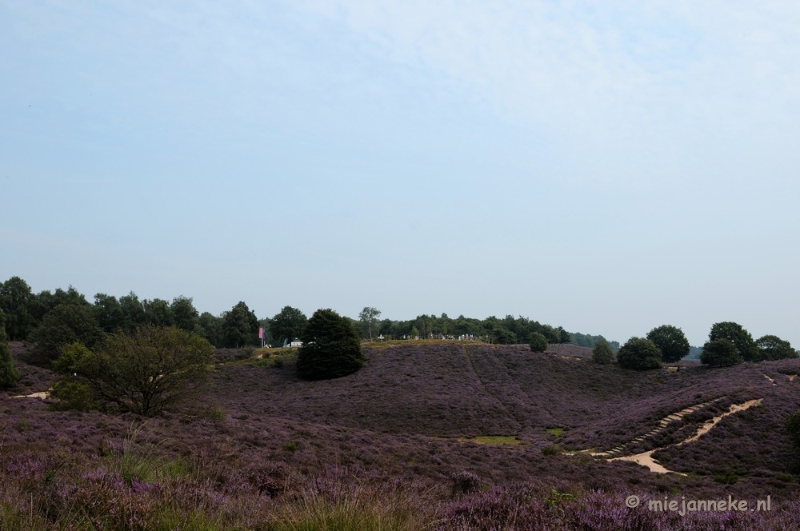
x: 557, y: 432
x: 378, y: 345
x: 492, y: 440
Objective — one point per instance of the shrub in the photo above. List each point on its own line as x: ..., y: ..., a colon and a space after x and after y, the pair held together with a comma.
x: 792, y: 427
x: 602, y: 353
x: 289, y: 447
x: 330, y: 347
x: 72, y: 394
x: 8, y: 376
x: 465, y: 482
x: 720, y: 353
x: 145, y: 373
x: 640, y: 354
x: 671, y: 341
x: 551, y: 450
x: 538, y: 342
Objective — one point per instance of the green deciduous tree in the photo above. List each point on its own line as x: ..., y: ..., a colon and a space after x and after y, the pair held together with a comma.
x: 8, y: 375
x: 211, y: 328
x: 720, y: 353
x: 16, y: 302
x: 239, y: 327
x: 602, y: 353
x: 369, y: 315
x: 538, y: 342
x: 185, y: 316
x: 330, y: 347
x: 287, y: 325
x: 147, y: 372
x: 774, y: 348
x: 133, y: 314
x: 502, y: 335
x: 671, y: 341
x: 737, y: 335
x: 640, y: 354
x: 63, y: 325
x: 158, y: 313
x: 46, y: 301
x: 108, y: 312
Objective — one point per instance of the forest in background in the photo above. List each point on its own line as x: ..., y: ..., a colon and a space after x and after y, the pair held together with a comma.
x: 25, y: 311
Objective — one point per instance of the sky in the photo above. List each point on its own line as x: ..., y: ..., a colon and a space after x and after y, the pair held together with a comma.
x: 606, y: 167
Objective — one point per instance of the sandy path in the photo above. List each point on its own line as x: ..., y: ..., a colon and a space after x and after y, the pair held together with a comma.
x: 41, y: 395
x: 646, y: 458
x: 705, y: 428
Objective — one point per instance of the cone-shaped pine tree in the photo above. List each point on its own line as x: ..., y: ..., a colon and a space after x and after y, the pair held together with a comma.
x: 330, y: 347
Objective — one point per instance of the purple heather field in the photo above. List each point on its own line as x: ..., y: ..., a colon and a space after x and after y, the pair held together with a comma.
x: 411, y: 441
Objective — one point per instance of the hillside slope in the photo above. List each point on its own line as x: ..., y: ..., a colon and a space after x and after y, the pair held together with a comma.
x: 449, y: 390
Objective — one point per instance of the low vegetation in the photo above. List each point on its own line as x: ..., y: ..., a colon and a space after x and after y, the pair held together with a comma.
x: 380, y: 448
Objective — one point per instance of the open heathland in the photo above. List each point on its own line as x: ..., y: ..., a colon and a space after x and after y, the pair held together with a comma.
x: 439, y: 435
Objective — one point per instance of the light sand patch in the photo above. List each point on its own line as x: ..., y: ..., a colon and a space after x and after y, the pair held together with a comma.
x: 40, y: 395
x: 646, y: 459
x: 770, y: 379
x: 792, y: 377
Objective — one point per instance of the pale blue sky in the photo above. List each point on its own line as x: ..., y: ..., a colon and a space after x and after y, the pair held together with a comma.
x: 604, y: 167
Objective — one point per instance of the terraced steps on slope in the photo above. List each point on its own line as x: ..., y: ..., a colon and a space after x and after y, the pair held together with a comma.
x: 662, y: 425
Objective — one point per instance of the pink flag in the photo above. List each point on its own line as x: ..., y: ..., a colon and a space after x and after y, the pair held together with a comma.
x: 260, y: 333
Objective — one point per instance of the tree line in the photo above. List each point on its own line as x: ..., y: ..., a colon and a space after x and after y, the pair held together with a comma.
x: 728, y: 344
x: 26, y: 313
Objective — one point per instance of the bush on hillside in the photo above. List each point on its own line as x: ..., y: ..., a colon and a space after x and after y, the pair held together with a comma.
x: 720, y: 353
x: 330, y: 347
x: 640, y: 354
x: 8, y: 376
x: 737, y: 335
x: 538, y: 342
x: 147, y: 373
x: 671, y: 341
x: 602, y: 353
x: 774, y: 348
x: 792, y: 427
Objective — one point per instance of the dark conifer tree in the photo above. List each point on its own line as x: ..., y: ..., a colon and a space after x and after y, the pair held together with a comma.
x: 330, y: 347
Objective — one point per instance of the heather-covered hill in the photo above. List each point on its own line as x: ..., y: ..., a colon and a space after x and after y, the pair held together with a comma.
x: 476, y: 389
x: 263, y: 438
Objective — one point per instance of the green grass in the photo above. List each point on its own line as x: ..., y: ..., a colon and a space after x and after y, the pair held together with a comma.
x: 492, y: 440
x: 354, y: 512
x: 555, y: 431
x: 389, y: 343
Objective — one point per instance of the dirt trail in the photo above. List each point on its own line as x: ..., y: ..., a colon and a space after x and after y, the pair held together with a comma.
x: 662, y: 425
x: 40, y: 395
x: 646, y: 458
